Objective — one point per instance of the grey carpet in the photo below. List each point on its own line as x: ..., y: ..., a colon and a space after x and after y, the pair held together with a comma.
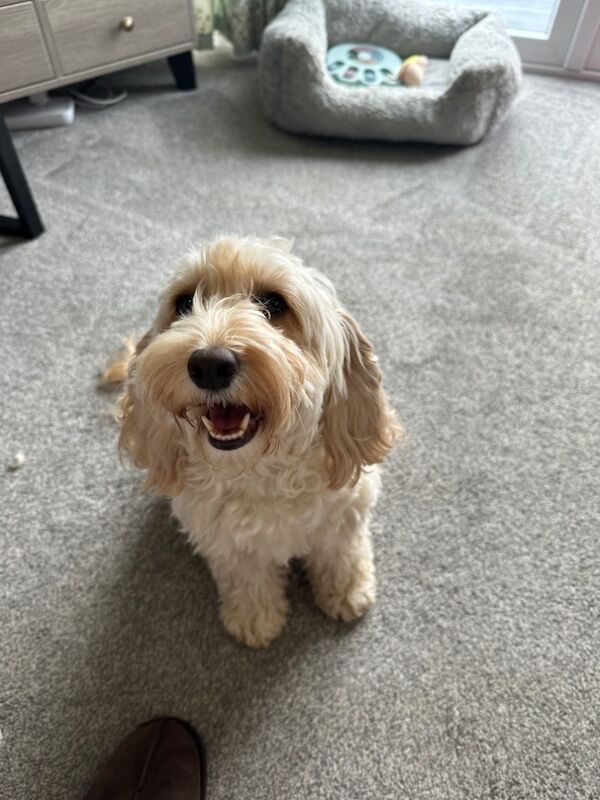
x: 476, y: 274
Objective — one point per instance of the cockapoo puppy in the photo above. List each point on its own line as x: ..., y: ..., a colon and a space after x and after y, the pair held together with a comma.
x: 255, y: 402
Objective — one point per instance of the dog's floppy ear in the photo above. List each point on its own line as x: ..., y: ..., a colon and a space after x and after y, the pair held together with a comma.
x: 359, y: 428
x: 151, y: 439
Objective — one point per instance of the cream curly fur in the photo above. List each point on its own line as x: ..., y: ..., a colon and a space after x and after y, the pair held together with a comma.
x: 304, y: 485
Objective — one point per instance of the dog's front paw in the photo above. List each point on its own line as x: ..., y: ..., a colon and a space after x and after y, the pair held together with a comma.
x: 255, y: 626
x: 351, y: 603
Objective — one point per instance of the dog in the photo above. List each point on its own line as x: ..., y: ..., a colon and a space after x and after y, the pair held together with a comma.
x: 255, y: 402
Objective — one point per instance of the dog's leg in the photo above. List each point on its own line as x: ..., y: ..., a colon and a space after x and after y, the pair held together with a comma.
x: 340, y: 567
x: 342, y: 574
x: 254, y: 605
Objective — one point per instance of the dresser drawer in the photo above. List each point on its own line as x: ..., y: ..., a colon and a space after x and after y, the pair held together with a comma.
x: 90, y: 33
x: 23, y: 55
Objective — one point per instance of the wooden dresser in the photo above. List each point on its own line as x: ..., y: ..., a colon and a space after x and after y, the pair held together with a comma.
x: 49, y: 43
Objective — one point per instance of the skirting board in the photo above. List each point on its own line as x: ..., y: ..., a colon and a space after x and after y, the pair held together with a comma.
x: 580, y: 74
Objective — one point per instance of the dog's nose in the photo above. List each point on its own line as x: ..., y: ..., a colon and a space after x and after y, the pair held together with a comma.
x: 213, y: 367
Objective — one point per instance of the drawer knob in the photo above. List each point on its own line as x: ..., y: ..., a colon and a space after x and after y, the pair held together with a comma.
x: 126, y: 24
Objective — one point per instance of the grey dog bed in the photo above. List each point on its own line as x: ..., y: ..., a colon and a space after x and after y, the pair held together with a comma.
x: 473, y: 77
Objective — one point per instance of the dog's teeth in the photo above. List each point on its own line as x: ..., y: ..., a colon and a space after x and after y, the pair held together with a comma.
x: 208, y: 425
x: 226, y: 437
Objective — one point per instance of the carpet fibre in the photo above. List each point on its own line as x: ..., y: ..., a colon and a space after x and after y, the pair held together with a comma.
x: 475, y: 273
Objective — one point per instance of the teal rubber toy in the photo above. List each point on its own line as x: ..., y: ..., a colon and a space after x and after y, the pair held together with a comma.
x: 363, y: 64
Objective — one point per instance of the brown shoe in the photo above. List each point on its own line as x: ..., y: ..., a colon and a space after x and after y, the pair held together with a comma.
x: 161, y: 760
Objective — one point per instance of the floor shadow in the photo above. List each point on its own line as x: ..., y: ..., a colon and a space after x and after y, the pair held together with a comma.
x: 8, y: 243
x: 150, y: 643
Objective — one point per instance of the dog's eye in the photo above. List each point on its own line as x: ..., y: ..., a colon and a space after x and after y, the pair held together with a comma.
x: 183, y: 304
x: 272, y: 304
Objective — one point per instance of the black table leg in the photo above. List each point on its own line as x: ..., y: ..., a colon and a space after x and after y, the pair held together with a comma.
x: 28, y: 223
x: 184, y: 72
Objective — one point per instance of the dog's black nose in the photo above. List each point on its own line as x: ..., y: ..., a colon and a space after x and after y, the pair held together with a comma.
x: 213, y: 367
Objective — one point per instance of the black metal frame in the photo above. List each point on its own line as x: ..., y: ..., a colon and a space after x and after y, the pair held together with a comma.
x: 27, y: 224
x: 184, y: 72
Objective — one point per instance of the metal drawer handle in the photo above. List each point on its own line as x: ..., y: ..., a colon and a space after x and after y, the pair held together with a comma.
x: 126, y: 24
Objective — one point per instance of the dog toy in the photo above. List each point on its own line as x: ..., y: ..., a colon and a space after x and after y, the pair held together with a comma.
x: 363, y: 64
x: 412, y: 70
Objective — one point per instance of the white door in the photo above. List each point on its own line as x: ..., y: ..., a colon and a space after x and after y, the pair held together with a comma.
x: 552, y: 35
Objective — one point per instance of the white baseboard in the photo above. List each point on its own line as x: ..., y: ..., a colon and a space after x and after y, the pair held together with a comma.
x: 579, y: 74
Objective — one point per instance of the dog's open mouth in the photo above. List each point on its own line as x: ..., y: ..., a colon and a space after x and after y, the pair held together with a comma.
x: 230, y: 426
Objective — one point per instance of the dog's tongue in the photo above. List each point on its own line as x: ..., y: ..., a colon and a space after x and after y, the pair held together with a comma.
x: 227, y: 418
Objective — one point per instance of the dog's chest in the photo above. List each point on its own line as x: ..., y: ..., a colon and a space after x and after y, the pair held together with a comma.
x: 259, y: 516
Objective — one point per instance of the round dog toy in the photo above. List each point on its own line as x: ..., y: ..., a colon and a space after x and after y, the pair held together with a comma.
x: 412, y: 70
x: 363, y: 64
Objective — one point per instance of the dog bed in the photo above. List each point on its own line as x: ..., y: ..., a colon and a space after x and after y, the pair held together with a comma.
x: 473, y: 77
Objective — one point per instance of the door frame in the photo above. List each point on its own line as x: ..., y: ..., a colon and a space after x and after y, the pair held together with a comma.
x: 566, y: 47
